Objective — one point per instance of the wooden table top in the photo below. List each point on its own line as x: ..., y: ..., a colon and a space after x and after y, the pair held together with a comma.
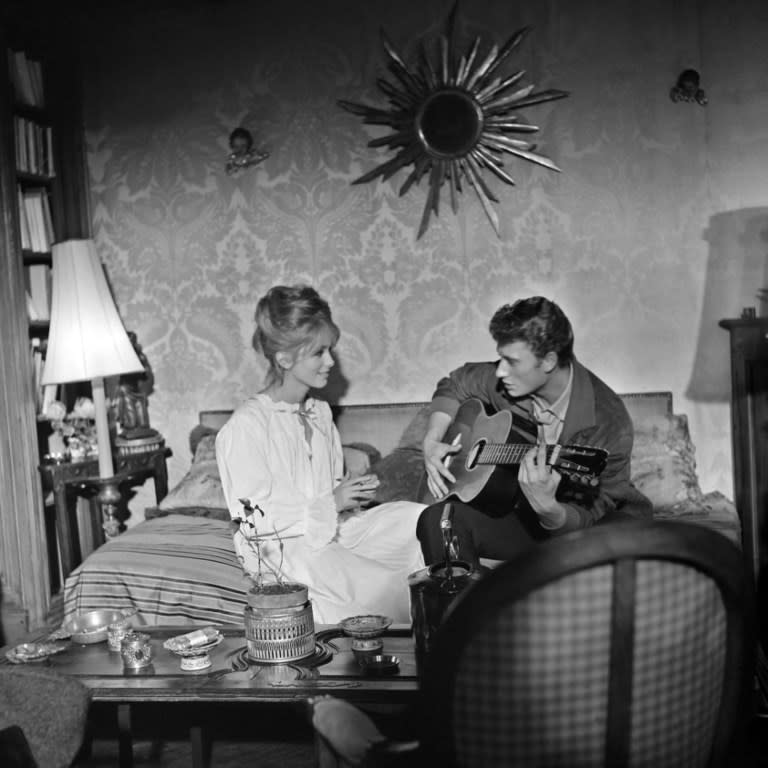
x: 231, y: 677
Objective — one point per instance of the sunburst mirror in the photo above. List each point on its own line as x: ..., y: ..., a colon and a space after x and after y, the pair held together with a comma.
x: 452, y: 119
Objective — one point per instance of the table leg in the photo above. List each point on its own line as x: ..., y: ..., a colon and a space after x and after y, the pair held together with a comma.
x: 124, y: 736
x: 201, y: 747
x: 64, y: 530
x: 97, y: 529
x: 160, y: 477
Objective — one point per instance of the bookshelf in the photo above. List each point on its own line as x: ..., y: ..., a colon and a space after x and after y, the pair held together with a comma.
x: 43, y: 199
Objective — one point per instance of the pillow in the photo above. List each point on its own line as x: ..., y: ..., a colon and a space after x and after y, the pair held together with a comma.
x: 400, y: 474
x: 358, y: 458
x: 202, y: 443
x: 199, y: 492
x: 150, y: 513
x: 413, y: 434
x: 663, y: 464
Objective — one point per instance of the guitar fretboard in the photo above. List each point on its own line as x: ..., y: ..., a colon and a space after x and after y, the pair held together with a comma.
x: 506, y: 453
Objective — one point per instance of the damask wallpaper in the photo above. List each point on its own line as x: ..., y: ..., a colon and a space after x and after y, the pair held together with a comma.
x: 655, y: 229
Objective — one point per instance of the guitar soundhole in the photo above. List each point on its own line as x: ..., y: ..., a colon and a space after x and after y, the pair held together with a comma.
x: 474, y: 454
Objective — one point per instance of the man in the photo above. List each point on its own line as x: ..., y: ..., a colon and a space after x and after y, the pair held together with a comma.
x: 552, y: 399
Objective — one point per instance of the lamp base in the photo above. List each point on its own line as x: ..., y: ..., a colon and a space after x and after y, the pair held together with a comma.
x: 109, y: 499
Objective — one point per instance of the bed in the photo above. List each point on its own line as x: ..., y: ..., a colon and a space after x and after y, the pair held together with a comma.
x: 178, y: 566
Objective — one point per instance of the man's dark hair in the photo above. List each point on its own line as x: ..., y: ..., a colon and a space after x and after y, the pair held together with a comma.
x: 537, y: 321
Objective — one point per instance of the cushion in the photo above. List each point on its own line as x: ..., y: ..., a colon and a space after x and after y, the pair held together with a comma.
x: 199, y: 492
x: 358, y: 458
x: 401, y: 472
x: 400, y: 475
x: 197, y: 434
x: 663, y: 463
x: 413, y: 434
x: 713, y: 511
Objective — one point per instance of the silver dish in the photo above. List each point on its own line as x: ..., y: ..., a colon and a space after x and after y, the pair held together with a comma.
x: 197, y: 650
x: 28, y: 653
x: 369, y: 625
x: 91, y: 627
x: 380, y: 664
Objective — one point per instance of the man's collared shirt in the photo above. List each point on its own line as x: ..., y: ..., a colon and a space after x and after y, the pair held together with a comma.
x: 550, y: 418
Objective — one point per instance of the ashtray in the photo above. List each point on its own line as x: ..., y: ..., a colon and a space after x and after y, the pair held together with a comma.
x: 27, y: 653
x: 384, y: 664
x: 369, y: 625
x: 195, y: 658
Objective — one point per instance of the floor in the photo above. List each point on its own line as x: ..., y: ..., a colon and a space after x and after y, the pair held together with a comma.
x: 229, y: 754
x: 240, y: 735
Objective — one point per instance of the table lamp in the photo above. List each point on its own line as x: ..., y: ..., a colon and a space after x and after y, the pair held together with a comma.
x: 87, y: 342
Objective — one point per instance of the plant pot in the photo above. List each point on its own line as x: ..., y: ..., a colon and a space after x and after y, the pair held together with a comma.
x: 279, y: 625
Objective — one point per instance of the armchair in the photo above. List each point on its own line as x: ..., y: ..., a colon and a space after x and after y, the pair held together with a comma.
x: 42, y: 716
x: 624, y: 644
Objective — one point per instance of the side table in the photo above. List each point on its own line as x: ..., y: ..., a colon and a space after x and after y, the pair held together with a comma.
x: 71, y: 479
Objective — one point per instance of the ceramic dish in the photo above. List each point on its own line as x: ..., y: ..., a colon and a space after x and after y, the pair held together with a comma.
x: 196, y: 650
x: 384, y: 664
x: 369, y: 625
x: 91, y: 627
x: 193, y: 659
x: 27, y: 653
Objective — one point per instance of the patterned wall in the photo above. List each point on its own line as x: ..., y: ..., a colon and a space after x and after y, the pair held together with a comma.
x: 654, y: 231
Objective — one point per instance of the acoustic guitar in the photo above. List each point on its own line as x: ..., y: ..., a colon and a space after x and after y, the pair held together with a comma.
x: 482, y: 466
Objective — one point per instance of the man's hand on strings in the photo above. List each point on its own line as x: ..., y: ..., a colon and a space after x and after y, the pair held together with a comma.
x: 437, y: 459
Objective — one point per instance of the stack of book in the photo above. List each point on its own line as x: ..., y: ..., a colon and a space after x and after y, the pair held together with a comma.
x: 35, y: 219
x: 34, y: 147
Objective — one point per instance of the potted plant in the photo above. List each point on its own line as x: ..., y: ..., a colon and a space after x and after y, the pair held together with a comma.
x: 279, y: 625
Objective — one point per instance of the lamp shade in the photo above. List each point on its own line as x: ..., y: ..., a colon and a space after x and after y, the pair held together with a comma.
x: 87, y: 339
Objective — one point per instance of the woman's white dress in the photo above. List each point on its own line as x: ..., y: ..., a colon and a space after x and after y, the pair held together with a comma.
x: 285, y: 460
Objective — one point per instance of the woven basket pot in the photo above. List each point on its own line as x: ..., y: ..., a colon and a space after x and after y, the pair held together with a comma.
x: 279, y: 625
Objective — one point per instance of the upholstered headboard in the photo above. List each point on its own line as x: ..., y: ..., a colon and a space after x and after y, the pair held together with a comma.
x: 383, y: 424
x: 663, y: 456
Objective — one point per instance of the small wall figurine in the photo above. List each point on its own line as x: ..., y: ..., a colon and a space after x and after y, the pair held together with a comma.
x: 242, y: 154
x: 687, y: 88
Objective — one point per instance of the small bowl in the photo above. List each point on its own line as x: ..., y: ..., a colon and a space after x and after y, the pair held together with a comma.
x: 370, y: 625
x: 91, y: 627
x: 381, y: 664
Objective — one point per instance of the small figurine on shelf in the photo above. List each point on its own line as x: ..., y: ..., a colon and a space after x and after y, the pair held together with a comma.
x: 76, y: 430
x: 242, y: 155
x: 130, y: 401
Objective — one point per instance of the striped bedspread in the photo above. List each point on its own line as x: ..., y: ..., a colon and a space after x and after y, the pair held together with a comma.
x: 173, y: 570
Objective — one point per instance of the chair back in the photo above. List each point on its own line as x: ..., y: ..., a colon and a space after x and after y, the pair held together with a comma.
x: 627, y: 644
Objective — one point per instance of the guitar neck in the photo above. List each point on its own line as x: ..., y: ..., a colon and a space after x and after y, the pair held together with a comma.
x: 506, y: 453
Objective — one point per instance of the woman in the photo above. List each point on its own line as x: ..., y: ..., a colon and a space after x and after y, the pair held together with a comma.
x: 282, y: 472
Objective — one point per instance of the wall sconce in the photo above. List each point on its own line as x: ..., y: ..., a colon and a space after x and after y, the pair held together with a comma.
x: 687, y: 88
x: 242, y: 152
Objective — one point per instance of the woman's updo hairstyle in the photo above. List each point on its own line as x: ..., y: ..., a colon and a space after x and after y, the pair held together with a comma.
x: 289, y: 319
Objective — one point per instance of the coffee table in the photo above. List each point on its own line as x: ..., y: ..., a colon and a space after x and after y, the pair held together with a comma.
x: 233, y: 679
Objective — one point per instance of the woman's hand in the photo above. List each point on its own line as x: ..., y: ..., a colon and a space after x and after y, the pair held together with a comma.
x: 350, y: 492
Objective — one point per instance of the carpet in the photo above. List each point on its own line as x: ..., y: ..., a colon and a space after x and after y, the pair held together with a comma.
x: 224, y: 754
x: 238, y: 735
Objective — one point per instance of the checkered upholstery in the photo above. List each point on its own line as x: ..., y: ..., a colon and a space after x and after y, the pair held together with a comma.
x: 627, y: 644
x: 532, y: 685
